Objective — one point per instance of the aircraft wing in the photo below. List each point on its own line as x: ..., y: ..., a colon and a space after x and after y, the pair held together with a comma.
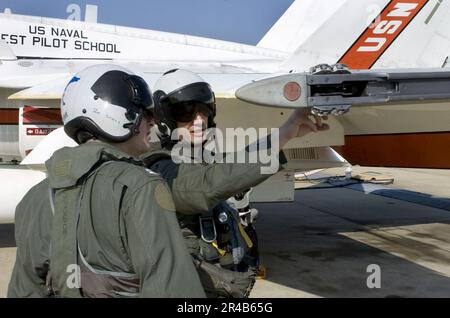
x: 224, y: 84
x: 47, y: 90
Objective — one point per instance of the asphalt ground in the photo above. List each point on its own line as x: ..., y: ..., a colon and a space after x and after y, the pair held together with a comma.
x: 355, y: 240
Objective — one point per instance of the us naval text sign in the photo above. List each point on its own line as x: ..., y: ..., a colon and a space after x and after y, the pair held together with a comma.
x: 35, y: 37
x: 26, y: 39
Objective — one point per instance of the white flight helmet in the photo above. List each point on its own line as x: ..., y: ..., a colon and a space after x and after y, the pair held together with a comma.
x: 106, y: 102
x: 174, y: 92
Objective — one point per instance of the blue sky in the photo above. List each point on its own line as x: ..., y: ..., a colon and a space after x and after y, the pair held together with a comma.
x: 244, y: 21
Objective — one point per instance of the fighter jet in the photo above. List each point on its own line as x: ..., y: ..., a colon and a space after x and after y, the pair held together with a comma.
x: 38, y: 57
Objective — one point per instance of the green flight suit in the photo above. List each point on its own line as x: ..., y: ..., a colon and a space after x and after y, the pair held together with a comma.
x: 126, y: 225
x: 197, y: 188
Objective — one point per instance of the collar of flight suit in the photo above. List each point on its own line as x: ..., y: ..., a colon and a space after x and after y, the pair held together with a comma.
x: 69, y: 164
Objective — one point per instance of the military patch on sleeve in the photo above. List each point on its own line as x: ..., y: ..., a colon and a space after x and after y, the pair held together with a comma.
x: 62, y: 168
x: 163, y: 197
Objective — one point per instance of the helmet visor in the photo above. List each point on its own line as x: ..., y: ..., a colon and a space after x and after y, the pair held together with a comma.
x: 122, y: 89
x: 198, y: 92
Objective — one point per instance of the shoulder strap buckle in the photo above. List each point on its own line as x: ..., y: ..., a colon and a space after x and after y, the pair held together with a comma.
x: 207, y: 229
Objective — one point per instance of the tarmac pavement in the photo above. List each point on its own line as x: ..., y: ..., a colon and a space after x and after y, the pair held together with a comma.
x: 331, y: 242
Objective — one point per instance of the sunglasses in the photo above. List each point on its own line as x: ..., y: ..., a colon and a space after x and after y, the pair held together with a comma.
x: 186, y: 112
